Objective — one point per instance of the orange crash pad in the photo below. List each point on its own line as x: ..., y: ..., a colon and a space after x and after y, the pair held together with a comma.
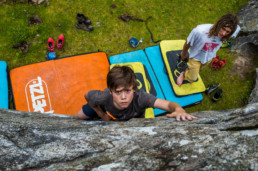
x: 58, y: 86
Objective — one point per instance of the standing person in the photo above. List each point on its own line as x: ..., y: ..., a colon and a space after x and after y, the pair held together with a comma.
x: 204, y: 41
x: 122, y: 100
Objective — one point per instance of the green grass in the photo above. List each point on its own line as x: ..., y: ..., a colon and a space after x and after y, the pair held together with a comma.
x: 172, y: 19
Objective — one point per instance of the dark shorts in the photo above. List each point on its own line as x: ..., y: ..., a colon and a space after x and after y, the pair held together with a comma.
x: 88, y: 111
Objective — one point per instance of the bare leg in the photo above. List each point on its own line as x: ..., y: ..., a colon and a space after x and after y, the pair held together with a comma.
x: 180, y: 79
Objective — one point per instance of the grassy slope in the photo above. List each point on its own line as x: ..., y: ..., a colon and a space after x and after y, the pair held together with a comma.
x: 172, y: 19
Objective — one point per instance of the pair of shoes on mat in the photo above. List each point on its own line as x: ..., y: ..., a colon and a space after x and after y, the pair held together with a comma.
x: 217, y: 63
x: 83, y: 22
x: 51, y: 43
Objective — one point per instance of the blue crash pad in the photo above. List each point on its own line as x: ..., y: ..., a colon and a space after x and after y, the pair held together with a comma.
x: 4, y: 103
x: 155, y: 58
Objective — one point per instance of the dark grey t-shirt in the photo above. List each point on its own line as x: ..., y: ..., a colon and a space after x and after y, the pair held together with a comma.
x: 136, y: 109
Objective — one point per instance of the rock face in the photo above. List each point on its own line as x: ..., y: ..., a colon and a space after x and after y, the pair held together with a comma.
x: 254, y: 95
x: 247, y: 59
x: 219, y: 140
x: 248, y: 17
x: 225, y: 140
x: 246, y: 45
x: 251, y: 39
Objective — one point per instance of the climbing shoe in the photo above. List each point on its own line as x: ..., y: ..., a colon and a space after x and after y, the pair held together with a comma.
x: 82, y: 19
x: 85, y: 27
x: 217, y: 95
x: 83, y: 22
x: 221, y: 63
x: 211, y: 88
x: 60, y: 42
x: 50, y: 44
x: 215, y: 62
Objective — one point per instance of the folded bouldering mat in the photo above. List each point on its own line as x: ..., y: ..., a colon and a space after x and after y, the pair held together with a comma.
x: 58, y: 86
x: 170, y: 50
x: 140, y: 56
x: 143, y: 81
x: 4, y: 102
x: 154, y: 56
